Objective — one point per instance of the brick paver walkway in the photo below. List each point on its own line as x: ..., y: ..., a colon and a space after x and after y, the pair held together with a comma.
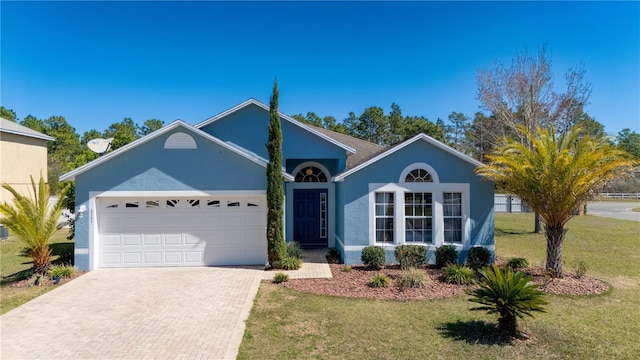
x: 314, y: 265
x: 158, y: 313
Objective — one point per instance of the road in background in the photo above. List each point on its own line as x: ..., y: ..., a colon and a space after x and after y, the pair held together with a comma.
x: 615, y: 209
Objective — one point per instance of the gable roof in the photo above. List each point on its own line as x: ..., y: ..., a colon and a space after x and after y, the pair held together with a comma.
x: 391, y: 150
x: 252, y: 101
x: 176, y: 124
x: 10, y: 127
x: 365, y: 150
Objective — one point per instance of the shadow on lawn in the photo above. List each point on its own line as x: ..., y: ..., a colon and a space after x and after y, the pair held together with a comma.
x: 63, y: 252
x: 17, y: 276
x: 474, y: 332
x: 500, y: 231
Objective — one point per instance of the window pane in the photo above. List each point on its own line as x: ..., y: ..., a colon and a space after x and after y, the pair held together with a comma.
x: 409, y: 236
x: 419, y: 211
x: 408, y: 224
x: 408, y: 210
x: 428, y: 236
x: 408, y: 198
x: 428, y: 211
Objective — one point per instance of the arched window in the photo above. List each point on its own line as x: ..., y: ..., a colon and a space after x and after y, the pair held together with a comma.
x: 418, y: 175
x: 311, y: 174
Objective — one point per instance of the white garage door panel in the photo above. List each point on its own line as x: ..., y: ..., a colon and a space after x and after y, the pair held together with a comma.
x: 181, y: 231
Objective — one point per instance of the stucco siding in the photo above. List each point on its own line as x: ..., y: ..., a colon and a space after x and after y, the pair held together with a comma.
x: 248, y: 128
x: 20, y: 158
x: 450, y: 170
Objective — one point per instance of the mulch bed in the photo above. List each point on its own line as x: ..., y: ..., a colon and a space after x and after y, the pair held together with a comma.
x: 44, y: 281
x: 354, y: 284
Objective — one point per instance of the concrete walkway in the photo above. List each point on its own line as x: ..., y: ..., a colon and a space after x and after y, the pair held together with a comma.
x: 158, y: 313
x: 314, y: 265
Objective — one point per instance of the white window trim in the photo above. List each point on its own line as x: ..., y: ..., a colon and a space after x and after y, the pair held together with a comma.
x: 307, y: 164
x: 437, y: 190
x: 410, y: 168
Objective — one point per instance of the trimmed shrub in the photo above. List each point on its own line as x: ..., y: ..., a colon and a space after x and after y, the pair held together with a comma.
x: 62, y: 271
x: 413, y: 278
x: 373, y: 257
x: 516, y: 264
x: 280, y: 278
x: 458, y: 274
x: 379, y: 281
x: 294, y: 250
x: 446, y: 255
x: 288, y: 263
x: 478, y: 257
x: 410, y: 256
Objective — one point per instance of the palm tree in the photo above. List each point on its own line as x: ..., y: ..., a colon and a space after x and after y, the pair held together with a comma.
x: 509, y: 294
x: 33, y: 221
x: 555, y: 175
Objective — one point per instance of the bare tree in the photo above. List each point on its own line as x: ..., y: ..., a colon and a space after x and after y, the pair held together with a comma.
x: 524, y: 95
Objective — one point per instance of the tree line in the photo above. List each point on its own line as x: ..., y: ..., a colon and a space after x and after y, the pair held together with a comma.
x: 69, y: 149
x: 519, y: 95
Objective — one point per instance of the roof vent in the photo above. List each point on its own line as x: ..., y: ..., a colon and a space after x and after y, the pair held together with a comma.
x: 180, y: 140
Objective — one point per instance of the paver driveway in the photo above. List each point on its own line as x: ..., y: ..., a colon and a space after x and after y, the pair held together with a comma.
x: 160, y: 313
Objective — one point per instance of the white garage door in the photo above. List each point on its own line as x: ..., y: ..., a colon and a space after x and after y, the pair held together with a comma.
x: 194, y: 231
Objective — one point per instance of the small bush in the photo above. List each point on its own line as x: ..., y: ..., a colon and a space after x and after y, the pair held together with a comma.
x: 334, y: 255
x: 373, y: 257
x: 294, y: 250
x: 410, y: 256
x: 580, y: 268
x: 62, y: 271
x: 280, y: 278
x: 509, y: 295
x: 37, y: 280
x: 379, y: 281
x: 516, y: 264
x: 446, y: 255
x: 288, y: 263
x: 413, y: 278
x: 458, y: 274
x: 346, y: 269
x: 478, y: 258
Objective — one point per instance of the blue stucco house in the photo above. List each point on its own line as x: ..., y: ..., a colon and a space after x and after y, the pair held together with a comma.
x: 196, y: 195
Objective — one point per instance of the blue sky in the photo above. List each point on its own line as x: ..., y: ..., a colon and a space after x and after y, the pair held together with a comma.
x: 98, y: 62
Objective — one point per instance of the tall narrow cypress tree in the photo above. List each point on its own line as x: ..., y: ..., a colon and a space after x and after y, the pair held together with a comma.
x: 275, y: 188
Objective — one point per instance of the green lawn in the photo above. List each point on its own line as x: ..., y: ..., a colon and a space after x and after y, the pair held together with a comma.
x: 286, y: 324
x: 14, y: 265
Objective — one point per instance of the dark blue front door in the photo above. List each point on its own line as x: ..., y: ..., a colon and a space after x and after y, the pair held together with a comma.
x: 310, y: 224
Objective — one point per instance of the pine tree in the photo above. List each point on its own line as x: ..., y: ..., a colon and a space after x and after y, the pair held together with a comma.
x: 276, y: 247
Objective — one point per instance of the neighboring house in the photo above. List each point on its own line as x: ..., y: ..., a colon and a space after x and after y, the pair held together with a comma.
x: 23, y: 153
x: 196, y: 195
